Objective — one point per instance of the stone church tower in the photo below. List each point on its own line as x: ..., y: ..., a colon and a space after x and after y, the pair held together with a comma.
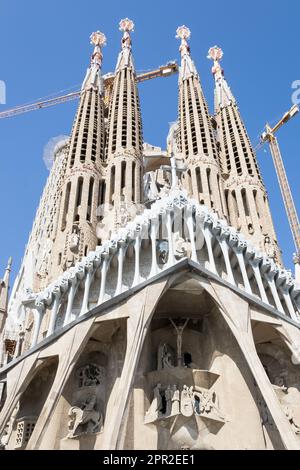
x: 246, y: 199
x: 83, y: 182
x: 169, y: 326
x: 124, y: 146
x: 197, y: 141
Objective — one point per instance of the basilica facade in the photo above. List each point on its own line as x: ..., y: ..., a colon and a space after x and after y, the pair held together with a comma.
x: 151, y: 309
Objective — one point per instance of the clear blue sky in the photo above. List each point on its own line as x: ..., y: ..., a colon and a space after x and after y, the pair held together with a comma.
x: 45, y: 48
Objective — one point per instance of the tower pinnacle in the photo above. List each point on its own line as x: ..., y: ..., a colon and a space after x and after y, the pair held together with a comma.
x: 99, y: 40
x: 125, y: 59
x: 188, y: 68
x: 223, y: 94
x: 93, y: 76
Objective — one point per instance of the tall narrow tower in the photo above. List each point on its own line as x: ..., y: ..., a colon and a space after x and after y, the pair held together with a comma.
x: 245, y: 194
x: 124, y: 147
x: 83, y: 185
x: 196, y: 136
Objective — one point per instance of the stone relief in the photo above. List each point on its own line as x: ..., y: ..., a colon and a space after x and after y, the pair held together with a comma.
x: 43, y: 268
x: 163, y: 251
x: 290, y: 401
x: 91, y: 374
x: 165, y: 357
x: 4, y: 440
x: 182, y: 248
x: 191, y: 400
x: 85, y: 418
x: 74, y: 241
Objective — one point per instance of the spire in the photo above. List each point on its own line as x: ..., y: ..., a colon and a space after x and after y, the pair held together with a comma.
x: 246, y: 199
x: 125, y: 57
x: 83, y: 182
x: 4, y: 290
x: 196, y: 140
x: 124, y: 147
x: 93, y: 74
x: 239, y: 155
x: 87, y: 140
x: 187, y: 68
x: 223, y: 94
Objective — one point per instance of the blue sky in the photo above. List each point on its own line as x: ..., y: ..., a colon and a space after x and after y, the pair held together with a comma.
x: 44, y: 48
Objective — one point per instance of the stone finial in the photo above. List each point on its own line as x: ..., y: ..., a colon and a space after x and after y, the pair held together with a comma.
x: 215, y: 53
x: 98, y: 39
x: 183, y: 33
x: 127, y: 26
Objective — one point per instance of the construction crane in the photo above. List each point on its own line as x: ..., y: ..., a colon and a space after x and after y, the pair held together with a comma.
x: 269, y: 136
x: 163, y: 71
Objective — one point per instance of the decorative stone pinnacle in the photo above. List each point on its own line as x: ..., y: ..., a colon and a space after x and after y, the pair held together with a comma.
x: 183, y: 32
x: 99, y: 40
x: 215, y: 53
x: 126, y: 25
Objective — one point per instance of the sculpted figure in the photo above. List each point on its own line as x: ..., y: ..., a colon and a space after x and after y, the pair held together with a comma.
x: 91, y: 374
x: 74, y: 241
x: 291, y: 407
x: 87, y: 415
x: 270, y: 252
x: 186, y: 404
x: 182, y: 248
x: 9, y: 427
x: 165, y: 357
x: 175, y: 401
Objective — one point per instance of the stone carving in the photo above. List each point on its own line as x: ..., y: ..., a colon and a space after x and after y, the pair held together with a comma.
x: 182, y: 248
x: 268, y: 247
x: 4, y: 440
x: 186, y: 403
x: 205, y: 401
x: 163, y: 250
x: 175, y: 200
x: 89, y: 375
x: 45, y: 258
x: 291, y: 406
x: 179, y: 332
x: 165, y: 403
x: 165, y: 357
x: 85, y: 419
x: 74, y: 241
x: 190, y: 401
x: 175, y: 399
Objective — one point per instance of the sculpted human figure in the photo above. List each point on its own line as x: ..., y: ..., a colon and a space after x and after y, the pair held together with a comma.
x: 165, y: 357
x: 86, y: 414
x: 168, y: 396
x: 179, y: 331
x: 175, y: 401
x: 186, y: 404
x: 291, y: 407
